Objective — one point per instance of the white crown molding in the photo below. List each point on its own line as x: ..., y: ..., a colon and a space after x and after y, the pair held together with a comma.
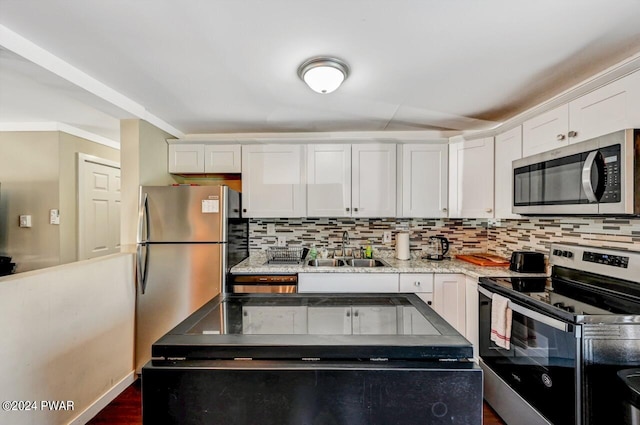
x: 58, y: 126
x: 323, y: 137
x: 34, y: 53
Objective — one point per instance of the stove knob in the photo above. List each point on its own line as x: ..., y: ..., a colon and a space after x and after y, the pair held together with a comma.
x: 570, y: 309
x: 557, y: 252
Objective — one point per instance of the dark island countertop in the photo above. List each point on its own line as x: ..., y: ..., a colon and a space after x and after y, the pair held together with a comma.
x: 377, y: 327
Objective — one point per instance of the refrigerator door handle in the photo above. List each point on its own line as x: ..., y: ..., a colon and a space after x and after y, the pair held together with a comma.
x: 143, y: 219
x: 143, y: 266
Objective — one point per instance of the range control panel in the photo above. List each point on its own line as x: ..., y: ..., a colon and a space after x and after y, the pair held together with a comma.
x: 606, y: 259
x: 609, y: 262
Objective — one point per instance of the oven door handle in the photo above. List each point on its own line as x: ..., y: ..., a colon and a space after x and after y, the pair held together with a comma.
x: 533, y: 315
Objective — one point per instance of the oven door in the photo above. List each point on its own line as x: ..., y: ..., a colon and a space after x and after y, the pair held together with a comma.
x: 541, y: 364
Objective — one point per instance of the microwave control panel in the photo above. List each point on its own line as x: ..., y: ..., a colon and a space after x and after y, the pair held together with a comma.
x: 612, y: 190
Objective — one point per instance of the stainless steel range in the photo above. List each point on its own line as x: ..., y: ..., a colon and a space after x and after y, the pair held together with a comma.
x: 570, y: 334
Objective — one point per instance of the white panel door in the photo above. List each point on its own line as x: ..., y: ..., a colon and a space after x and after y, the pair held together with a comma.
x: 423, y: 185
x: 329, y: 320
x: 374, y: 320
x: 471, y: 179
x: 329, y: 180
x: 98, y: 207
x: 273, y: 181
x: 610, y: 108
x: 373, y: 180
x: 186, y: 158
x: 449, y: 299
x: 472, y: 325
x: 546, y: 132
x: 508, y: 148
x: 222, y: 158
x: 274, y: 320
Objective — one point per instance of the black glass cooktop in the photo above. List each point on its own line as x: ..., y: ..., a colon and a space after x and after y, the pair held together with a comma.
x: 570, y: 296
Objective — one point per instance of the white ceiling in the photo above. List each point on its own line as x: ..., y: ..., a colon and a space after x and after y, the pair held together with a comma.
x: 210, y: 66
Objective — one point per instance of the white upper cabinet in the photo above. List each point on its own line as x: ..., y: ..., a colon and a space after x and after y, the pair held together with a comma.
x: 545, y: 132
x: 508, y: 148
x: 471, y: 178
x: 273, y: 180
x: 422, y: 180
x: 612, y: 107
x: 222, y: 159
x: 329, y: 180
x: 186, y: 158
x: 373, y: 180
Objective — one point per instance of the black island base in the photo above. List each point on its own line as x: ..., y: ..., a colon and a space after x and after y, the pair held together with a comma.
x: 246, y: 360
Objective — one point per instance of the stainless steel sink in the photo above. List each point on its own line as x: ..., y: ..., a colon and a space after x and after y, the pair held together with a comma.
x: 362, y: 262
x: 326, y: 262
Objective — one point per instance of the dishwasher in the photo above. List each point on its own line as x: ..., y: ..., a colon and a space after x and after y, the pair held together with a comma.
x: 264, y: 284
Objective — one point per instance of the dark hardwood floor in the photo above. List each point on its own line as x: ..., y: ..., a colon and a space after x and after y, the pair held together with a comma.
x: 126, y: 409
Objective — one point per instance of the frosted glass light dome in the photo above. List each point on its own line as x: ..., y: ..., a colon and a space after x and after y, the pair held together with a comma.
x: 323, y: 75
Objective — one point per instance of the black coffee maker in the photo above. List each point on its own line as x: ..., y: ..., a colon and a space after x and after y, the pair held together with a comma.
x: 438, y: 247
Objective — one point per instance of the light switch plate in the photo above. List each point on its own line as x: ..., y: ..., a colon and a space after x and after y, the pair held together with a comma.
x: 282, y: 241
x: 386, y: 237
x: 54, y: 216
x: 25, y: 221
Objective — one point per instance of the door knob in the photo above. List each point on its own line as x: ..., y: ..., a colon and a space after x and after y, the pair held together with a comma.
x: 560, y: 137
x: 573, y: 133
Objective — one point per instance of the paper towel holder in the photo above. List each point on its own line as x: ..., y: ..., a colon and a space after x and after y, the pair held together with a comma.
x: 402, y: 246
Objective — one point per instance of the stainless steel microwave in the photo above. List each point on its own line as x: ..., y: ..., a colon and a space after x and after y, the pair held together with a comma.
x: 597, y: 176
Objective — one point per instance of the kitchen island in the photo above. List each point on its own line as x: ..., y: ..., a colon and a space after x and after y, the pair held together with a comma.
x: 313, y: 359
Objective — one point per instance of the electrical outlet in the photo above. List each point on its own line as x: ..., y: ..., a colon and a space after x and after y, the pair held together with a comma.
x: 282, y: 241
x: 386, y: 237
x: 271, y: 229
x: 25, y: 221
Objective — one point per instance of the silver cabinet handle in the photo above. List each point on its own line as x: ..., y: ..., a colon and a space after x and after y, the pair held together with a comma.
x: 347, y: 209
x: 348, y: 314
x: 416, y: 283
x: 444, y: 210
x: 488, y: 210
x: 355, y: 209
x: 429, y: 302
x: 355, y: 313
x: 560, y: 137
x: 573, y: 133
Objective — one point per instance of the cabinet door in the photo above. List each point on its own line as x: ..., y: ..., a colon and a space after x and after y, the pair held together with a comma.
x: 546, y: 132
x: 415, y: 323
x: 471, y: 179
x: 508, y: 148
x: 472, y: 325
x: 373, y: 174
x: 222, y: 159
x: 374, y: 320
x: 273, y: 181
x: 449, y: 299
x: 423, y: 183
x: 329, y: 320
x: 329, y: 180
x: 605, y: 110
x: 186, y: 158
x: 274, y: 320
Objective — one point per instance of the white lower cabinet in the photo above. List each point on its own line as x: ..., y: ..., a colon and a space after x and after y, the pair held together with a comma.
x: 420, y: 284
x: 472, y: 320
x: 356, y: 320
x: 449, y: 299
x: 348, y: 282
x: 274, y: 320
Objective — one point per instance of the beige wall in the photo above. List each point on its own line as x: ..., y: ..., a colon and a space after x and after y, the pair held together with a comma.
x: 144, y: 155
x: 29, y: 172
x: 38, y: 172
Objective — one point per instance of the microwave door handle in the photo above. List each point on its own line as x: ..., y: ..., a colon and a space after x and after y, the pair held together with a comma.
x: 589, y: 163
x: 533, y: 315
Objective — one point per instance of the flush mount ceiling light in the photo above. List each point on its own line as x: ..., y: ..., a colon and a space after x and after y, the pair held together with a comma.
x: 323, y: 74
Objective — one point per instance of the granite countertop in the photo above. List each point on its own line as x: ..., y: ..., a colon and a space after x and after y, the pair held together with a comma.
x: 256, y: 264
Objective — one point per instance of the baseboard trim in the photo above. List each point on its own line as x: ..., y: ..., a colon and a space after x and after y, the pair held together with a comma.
x: 104, y: 400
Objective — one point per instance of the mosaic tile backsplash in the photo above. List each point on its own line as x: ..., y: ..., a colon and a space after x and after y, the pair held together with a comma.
x: 500, y: 237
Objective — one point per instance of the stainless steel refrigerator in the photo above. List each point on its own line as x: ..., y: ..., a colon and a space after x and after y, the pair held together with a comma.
x: 189, y: 237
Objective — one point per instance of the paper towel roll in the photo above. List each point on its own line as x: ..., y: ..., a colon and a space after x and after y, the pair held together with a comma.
x: 402, y: 246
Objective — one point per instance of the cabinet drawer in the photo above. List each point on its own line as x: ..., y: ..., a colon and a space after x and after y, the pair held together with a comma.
x: 416, y: 282
x: 348, y: 282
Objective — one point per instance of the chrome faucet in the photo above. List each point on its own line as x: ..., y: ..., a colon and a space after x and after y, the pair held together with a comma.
x: 345, y: 241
